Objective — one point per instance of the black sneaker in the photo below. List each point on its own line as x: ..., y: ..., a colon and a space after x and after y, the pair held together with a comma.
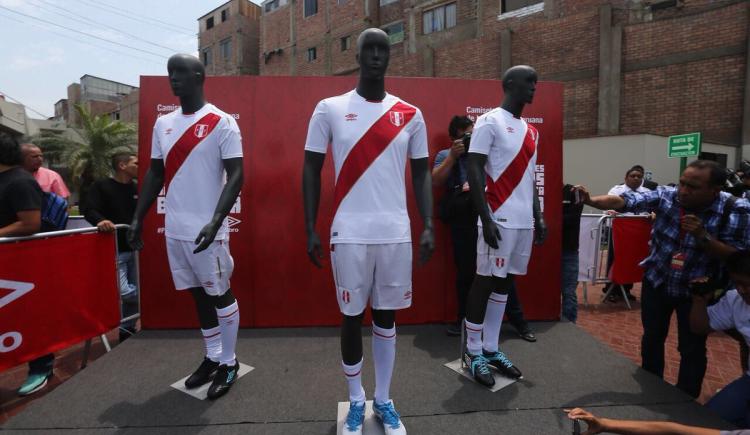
x: 203, y: 374
x: 453, y: 330
x: 502, y: 364
x: 225, y: 377
x: 477, y: 365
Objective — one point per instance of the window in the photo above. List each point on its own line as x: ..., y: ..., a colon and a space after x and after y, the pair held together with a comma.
x: 273, y: 5
x: 440, y: 18
x: 346, y: 43
x: 209, y: 23
x: 311, y: 8
x: 225, y: 48
x: 395, y: 32
x: 312, y: 54
x: 387, y: 2
x: 207, y: 59
x: 512, y: 5
x: 224, y: 15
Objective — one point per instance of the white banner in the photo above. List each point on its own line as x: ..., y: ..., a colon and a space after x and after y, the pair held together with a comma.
x: 587, y: 249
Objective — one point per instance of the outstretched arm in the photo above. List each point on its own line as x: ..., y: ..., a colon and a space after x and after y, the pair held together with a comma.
x: 311, y: 197
x: 601, y: 202
x: 420, y: 177
x: 152, y: 184
x: 633, y: 427
x: 235, y: 178
x: 475, y: 167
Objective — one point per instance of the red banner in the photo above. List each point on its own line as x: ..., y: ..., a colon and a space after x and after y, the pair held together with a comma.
x: 630, y: 238
x: 274, y: 281
x: 55, y: 292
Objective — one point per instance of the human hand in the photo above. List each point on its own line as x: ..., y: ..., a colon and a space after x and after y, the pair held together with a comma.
x: 134, y: 236
x: 426, y: 245
x: 582, y: 194
x: 313, y: 249
x: 457, y: 148
x: 540, y: 231
x: 206, y: 236
x: 594, y: 424
x: 105, y: 226
x: 692, y: 224
x: 491, y: 234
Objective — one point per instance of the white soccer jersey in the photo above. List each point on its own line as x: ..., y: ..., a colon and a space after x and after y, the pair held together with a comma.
x: 193, y: 147
x: 371, y: 141
x: 510, y: 145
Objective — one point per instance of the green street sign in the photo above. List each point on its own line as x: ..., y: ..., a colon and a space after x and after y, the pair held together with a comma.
x: 684, y: 145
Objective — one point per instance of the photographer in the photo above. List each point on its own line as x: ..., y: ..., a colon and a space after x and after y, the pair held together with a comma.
x: 696, y: 226
x: 456, y: 210
x: 732, y: 311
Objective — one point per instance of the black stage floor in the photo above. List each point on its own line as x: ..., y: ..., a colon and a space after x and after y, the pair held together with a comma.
x: 297, y: 383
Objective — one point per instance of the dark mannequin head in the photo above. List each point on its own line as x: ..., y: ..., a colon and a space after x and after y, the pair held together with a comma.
x: 519, y: 83
x: 373, y: 54
x: 700, y: 184
x: 186, y: 75
x: 634, y: 178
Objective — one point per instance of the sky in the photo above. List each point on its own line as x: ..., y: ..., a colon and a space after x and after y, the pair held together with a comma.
x: 49, y: 44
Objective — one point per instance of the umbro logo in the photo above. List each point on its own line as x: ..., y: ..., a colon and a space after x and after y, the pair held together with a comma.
x: 510, y: 129
x: 351, y: 117
x: 208, y: 284
x: 167, y: 131
x: 232, y: 221
x: 407, y: 295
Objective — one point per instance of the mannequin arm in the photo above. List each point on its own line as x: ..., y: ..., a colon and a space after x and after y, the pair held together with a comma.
x: 235, y: 178
x: 420, y: 177
x: 540, y: 226
x: 311, y: 197
x: 152, y: 185
x: 475, y: 168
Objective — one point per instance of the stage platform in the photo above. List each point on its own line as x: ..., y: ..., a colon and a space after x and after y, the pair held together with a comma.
x: 297, y: 383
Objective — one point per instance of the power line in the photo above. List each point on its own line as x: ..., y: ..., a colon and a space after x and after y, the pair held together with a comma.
x: 136, y: 17
x: 26, y: 106
x: 112, y: 50
x: 81, y: 19
x: 84, y: 33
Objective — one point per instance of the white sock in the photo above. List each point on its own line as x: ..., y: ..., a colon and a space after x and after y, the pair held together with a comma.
x: 493, y: 319
x: 212, y: 339
x: 384, y: 356
x: 354, y: 380
x: 473, y: 337
x: 229, y: 322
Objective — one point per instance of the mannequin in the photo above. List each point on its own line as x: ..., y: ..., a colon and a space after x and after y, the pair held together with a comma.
x: 503, y: 151
x: 197, y: 202
x: 364, y: 243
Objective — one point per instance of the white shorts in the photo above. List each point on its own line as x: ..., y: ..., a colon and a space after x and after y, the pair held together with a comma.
x: 511, y: 256
x: 210, y: 268
x: 378, y: 273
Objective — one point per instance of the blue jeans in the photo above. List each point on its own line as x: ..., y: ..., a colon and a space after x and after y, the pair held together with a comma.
x: 128, y: 287
x: 569, y: 285
x: 732, y: 403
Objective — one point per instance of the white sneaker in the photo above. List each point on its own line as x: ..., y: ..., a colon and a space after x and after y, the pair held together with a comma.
x: 389, y: 417
x: 354, y: 419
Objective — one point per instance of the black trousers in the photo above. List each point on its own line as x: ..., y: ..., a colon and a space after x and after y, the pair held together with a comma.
x: 464, y: 236
x: 656, y: 312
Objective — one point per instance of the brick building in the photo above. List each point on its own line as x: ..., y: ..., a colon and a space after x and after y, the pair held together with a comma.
x: 229, y: 37
x: 629, y: 67
x: 100, y: 96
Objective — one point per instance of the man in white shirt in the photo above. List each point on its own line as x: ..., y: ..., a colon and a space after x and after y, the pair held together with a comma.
x: 732, y: 311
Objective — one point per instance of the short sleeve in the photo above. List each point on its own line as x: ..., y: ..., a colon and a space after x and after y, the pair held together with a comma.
x: 720, y: 314
x: 156, y: 152
x: 418, y: 140
x: 440, y: 157
x: 25, y: 195
x: 319, y: 130
x: 59, y: 187
x: 615, y: 190
x: 482, y: 137
x: 230, y: 140
x: 736, y: 232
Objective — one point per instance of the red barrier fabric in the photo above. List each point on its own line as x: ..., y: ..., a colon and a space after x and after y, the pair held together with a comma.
x: 274, y: 281
x: 55, y: 292
x: 630, y: 238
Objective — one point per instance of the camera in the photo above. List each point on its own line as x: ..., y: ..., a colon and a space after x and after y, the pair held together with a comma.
x: 466, y: 140
x: 735, y: 183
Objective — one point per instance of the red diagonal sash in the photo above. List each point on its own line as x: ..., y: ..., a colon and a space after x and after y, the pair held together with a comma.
x: 370, y: 146
x: 498, y: 191
x: 186, y: 143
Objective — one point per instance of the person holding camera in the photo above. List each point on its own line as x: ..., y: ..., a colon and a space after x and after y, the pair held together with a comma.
x: 696, y: 226
x: 732, y: 311
x: 456, y: 210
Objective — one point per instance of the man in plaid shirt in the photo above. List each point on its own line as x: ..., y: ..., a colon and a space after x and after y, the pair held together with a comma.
x: 696, y: 227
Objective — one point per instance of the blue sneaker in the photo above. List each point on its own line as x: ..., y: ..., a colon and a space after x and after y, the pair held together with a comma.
x: 478, y: 366
x: 34, y: 383
x: 502, y: 364
x: 355, y: 419
x: 389, y: 417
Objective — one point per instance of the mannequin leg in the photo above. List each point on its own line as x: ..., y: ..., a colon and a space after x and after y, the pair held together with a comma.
x: 351, y: 356
x: 383, y: 351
